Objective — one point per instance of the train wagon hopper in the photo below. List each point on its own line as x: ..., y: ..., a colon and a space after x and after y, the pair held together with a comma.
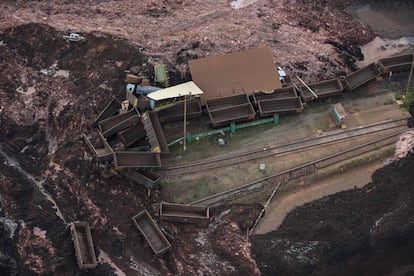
x: 110, y: 109
x: 226, y: 102
x: 185, y: 213
x: 280, y: 106
x: 154, y: 132
x: 147, y: 178
x: 362, y: 76
x: 395, y: 64
x: 322, y: 89
x: 130, y: 159
x: 281, y: 93
x: 115, y: 124
x: 231, y: 109
x: 176, y: 112
x: 235, y: 114
x: 131, y: 135
x: 102, y: 151
x: 151, y: 232
x: 83, y: 243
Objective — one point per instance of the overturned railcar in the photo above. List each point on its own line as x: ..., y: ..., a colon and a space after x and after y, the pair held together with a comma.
x: 362, y: 76
x: 395, y: 64
x: 151, y: 232
x: 104, y: 153
x: 83, y: 243
x: 110, y: 109
x: 185, y: 213
x: 115, y: 124
x: 147, y: 178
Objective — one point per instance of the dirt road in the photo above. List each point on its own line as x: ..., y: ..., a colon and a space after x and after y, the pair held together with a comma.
x: 281, y: 206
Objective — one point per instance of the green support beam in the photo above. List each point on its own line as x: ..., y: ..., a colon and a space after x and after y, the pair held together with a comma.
x: 232, y: 128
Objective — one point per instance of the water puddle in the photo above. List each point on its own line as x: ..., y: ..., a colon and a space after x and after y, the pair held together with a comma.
x: 383, y: 47
x: 10, y: 161
x: 238, y: 4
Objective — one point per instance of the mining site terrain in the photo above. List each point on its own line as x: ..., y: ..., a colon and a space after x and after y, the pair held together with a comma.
x: 51, y: 90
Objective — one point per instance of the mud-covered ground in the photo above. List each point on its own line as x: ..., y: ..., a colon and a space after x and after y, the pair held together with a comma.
x: 367, y: 231
x: 51, y: 90
x: 317, y: 40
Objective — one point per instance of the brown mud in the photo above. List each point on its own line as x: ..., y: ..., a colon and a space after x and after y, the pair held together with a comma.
x: 366, y: 231
x: 49, y: 179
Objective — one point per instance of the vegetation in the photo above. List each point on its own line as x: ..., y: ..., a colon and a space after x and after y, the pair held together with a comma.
x: 389, y: 101
x: 409, y: 99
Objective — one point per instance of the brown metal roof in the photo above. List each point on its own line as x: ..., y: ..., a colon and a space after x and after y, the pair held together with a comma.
x: 236, y: 73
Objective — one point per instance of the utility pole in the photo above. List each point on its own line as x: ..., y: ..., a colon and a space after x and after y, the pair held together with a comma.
x: 185, y: 122
x: 409, y: 78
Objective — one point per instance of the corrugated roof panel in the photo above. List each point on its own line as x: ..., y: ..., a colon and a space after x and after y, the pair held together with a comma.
x: 184, y: 89
x: 243, y: 72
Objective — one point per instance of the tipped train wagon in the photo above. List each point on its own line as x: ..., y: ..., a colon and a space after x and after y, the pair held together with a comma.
x: 83, y: 243
x: 185, y: 213
x: 400, y: 63
x: 147, y: 178
x: 151, y: 232
x: 104, y: 153
x: 362, y: 76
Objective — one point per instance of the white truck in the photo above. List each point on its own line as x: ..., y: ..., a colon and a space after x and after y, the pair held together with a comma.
x: 74, y: 37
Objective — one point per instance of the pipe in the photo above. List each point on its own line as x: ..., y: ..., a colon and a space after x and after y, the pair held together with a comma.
x: 141, y: 89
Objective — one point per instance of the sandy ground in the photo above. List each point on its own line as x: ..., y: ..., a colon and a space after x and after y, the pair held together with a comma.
x: 281, y: 206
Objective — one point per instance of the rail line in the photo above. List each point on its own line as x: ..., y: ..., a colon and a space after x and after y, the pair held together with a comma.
x: 299, y: 171
x: 248, y: 156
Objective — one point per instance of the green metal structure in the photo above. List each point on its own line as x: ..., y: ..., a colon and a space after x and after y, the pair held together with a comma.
x: 232, y: 128
x: 161, y: 75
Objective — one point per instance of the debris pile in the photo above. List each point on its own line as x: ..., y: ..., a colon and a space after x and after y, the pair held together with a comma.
x: 405, y: 144
x: 127, y: 142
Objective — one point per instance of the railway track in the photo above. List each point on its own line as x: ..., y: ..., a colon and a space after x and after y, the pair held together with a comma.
x: 299, y: 171
x: 248, y: 156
